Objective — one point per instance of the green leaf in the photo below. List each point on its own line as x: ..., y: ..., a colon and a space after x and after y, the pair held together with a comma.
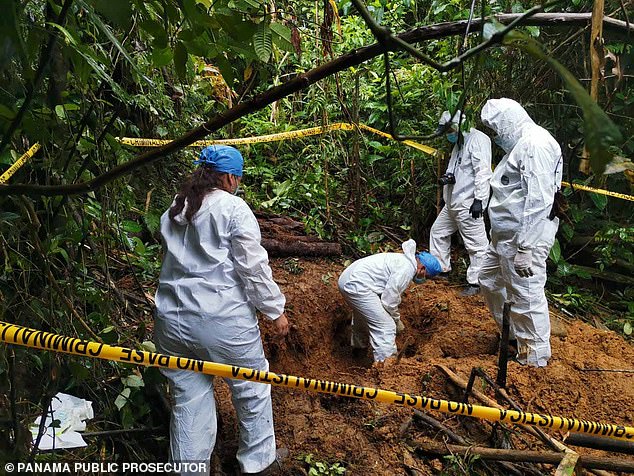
x: 247, y: 5
x: 6, y: 112
x: 567, y: 231
x: 148, y: 346
x: 109, y: 335
x: 232, y: 24
x: 59, y: 110
x: 8, y: 216
x: 133, y: 380
x: 192, y: 13
x: 262, y: 42
x: 152, y: 221
x: 122, y: 398
x: 131, y: 226
x: 599, y: 130
x: 226, y: 69
x: 180, y: 60
x: 161, y: 57
x: 154, y: 28
x: 533, y: 31
x: 201, y: 46
x: 117, y: 11
x: 555, y: 252
x: 78, y: 370
x: 282, y: 36
x: 600, y: 201
x: 564, y: 269
x: 580, y: 272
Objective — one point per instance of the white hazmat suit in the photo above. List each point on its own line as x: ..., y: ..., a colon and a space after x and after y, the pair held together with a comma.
x: 523, y: 188
x: 470, y: 163
x: 215, y: 275
x: 372, y: 286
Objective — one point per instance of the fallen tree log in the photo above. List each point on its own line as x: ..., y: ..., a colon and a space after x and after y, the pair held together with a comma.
x: 284, y: 236
x: 509, y: 468
x: 606, y: 275
x: 596, y: 442
x: 522, y: 456
x: 297, y: 247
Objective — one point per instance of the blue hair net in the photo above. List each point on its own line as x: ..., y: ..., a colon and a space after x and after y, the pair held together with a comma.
x: 431, y: 263
x: 222, y: 158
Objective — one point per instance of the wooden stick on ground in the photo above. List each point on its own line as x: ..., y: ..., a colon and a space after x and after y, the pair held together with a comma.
x: 517, y: 456
x: 460, y: 382
x: 549, y: 440
x: 456, y: 438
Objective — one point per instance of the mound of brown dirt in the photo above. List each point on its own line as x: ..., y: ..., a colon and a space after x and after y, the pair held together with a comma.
x: 441, y: 328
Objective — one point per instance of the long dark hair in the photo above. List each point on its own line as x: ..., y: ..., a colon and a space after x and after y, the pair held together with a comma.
x: 202, y: 181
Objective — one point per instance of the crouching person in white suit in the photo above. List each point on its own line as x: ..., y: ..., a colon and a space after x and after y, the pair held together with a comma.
x: 372, y: 287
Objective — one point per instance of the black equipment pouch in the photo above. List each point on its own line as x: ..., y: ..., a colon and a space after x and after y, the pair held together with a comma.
x: 560, y: 207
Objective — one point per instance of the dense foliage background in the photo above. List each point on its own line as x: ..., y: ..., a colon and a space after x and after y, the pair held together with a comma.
x: 77, y: 74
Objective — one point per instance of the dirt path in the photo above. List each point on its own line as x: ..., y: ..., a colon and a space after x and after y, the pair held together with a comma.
x: 442, y: 328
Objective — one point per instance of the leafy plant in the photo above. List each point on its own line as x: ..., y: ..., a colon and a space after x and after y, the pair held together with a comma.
x: 460, y: 465
x: 319, y: 468
x: 615, y: 245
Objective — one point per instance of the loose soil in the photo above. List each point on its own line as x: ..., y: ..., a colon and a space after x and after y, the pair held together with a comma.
x: 442, y: 328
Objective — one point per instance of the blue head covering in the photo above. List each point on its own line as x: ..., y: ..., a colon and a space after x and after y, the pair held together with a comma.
x: 430, y: 262
x: 222, y: 158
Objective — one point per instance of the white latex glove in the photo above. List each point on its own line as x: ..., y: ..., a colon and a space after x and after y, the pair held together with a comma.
x: 400, y: 327
x: 522, y: 262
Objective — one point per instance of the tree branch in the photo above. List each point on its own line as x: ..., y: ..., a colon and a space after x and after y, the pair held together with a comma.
x: 300, y: 82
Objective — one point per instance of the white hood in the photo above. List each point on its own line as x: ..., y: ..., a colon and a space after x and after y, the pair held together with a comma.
x: 409, y: 249
x: 507, y: 119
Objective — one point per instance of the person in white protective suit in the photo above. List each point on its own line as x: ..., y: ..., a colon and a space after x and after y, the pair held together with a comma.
x: 522, y: 231
x: 214, y: 276
x: 465, y: 193
x: 372, y: 287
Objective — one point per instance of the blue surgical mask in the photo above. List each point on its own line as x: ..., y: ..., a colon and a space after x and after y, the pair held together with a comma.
x: 503, y: 143
x: 452, y: 137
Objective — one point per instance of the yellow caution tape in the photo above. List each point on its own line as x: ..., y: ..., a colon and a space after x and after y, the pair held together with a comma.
x: 19, y: 163
x: 338, y: 126
x: 312, y: 131
x: 12, y: 334
x: 576, y: 186
x: 415, y: 145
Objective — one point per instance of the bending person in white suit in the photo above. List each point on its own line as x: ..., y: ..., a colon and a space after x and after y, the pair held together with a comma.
x: 372, y: 287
